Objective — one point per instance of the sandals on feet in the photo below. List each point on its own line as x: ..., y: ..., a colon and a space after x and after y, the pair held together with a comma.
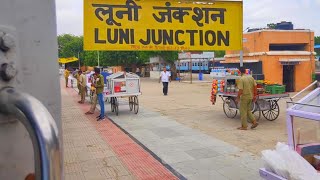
x: 254, y: 125
x: 242, y: 128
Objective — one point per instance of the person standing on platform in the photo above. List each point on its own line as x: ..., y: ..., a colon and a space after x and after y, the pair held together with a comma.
x: 99, y: 85
x: 66, y: 76
x: 83, y: 87
x: 165, y: 78
x: 247, y: 95
x: 77, y: 76
x: 94, y: 98
x: 138, y: 71
x: 143, y: 71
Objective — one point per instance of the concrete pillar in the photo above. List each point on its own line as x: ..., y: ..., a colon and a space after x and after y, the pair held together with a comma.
x: 33, y: 25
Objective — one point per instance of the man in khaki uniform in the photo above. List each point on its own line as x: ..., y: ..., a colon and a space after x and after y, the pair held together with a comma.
x: 77, y: 76
x: 247, y: 94
x: 83, y: 87
x: 66, y: 76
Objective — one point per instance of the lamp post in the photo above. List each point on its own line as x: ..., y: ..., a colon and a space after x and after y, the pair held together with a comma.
x: 241, y: 52
x: 79, y: 59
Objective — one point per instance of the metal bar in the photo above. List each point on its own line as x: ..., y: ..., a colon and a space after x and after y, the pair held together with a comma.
x: 222, y: 98
x: 122, y: 95
x: 241, y: 58
x: 42, y: 128
x: 315, y: 82
x: 269, y: 175
x: 291, y: 102
x: 291, y: 140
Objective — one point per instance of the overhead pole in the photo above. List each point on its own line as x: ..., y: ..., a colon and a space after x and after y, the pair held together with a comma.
x: 241, y: 58
x: 241, y: 51
x: 79, y: 59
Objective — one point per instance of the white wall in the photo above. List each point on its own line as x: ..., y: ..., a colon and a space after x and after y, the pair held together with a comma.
x: 155, y: 74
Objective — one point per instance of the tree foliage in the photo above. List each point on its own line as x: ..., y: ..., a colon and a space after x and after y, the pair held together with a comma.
x: 70, y: 45
x: 219, y: 54
x: 271, y: 25
x: 317, y: 41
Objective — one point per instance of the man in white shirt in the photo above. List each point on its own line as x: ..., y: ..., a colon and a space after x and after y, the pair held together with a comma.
x: 165, y: 77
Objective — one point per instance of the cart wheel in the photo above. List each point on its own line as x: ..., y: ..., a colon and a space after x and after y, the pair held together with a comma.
x: 116, y: 106
x: 108, y: 100
x: 112, y: 106
x: 135, y: 104
x: 131, y: 103
x: 273, y: 113
x: 256, y: 111
x: 228, y: 111
x: 113, y: 103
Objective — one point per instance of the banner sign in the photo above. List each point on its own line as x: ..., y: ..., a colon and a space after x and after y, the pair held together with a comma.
x: 162, y: 25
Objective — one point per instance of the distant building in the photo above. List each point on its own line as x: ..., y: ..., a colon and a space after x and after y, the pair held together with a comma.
x: 156, y: 65
x: 282, y: 56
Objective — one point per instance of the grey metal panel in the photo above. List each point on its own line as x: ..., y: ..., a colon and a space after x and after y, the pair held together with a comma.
x: 35, y: 24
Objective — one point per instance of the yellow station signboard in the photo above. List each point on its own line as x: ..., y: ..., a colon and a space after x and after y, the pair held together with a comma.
x: 142, y: 25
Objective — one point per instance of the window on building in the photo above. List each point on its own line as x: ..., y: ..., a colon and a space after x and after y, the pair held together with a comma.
x: 287, y: 47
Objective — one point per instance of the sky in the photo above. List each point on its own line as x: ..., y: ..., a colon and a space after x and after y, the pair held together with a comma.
x: 304, y: 14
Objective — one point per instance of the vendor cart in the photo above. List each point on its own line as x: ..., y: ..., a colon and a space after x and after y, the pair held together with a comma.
x: 266, y: 104
x: 123, y: 85
x: 307, y: 108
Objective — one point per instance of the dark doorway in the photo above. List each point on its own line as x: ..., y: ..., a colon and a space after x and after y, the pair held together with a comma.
x: 288, y: 77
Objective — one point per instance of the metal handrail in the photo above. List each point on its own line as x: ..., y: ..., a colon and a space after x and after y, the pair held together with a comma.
x: 42, y: 128
x: 304, y: 104
x: 300, y: 92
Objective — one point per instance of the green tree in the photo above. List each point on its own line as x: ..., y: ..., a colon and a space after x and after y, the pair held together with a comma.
x: 219, y: 54
x: 112, y: 58
x: 317, y: 42
x: 70, y: 46
x: 271, y: 25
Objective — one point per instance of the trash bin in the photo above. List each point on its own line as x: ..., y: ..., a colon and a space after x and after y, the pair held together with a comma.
x: 200, y: 76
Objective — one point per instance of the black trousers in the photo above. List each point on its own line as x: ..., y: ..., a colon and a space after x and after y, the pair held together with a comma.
x: 165, y: 88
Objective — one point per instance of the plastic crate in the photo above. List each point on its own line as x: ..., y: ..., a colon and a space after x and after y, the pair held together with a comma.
x: 278, y: 89
x: 275, y: 89
x: 268, y: 88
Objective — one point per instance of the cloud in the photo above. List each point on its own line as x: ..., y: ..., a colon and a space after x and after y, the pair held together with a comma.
x: 69, y: 17
x: 304, y: 14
